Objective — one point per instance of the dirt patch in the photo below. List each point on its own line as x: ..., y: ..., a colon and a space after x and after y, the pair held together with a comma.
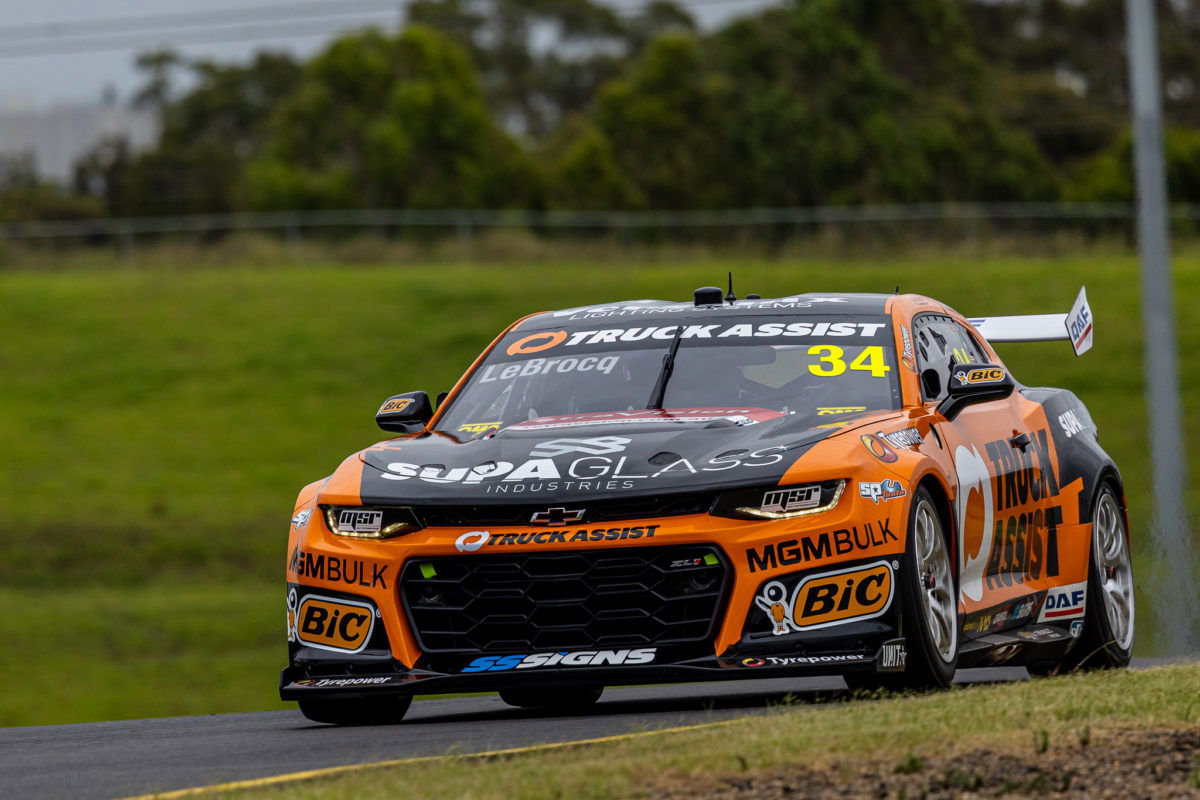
x: 1113, y: 764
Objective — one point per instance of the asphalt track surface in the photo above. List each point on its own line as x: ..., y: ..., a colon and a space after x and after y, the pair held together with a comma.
x: 133, y: 757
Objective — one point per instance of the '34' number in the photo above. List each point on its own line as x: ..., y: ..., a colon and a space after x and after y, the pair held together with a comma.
x: 832, y: 361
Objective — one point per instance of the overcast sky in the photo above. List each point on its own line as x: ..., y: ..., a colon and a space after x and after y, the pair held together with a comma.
x: 59, y: 72
x: 82, y: 76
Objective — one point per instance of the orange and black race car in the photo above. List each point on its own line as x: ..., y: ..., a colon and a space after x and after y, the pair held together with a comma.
x: 653, y: 491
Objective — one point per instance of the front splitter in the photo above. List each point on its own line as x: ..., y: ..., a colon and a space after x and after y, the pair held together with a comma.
x: 297, y: 683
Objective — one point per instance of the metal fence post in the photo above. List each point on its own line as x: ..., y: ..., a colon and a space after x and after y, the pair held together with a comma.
x: 1175, y: 591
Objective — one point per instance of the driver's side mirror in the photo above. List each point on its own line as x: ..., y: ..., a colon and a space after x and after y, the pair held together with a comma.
x: 404, y: 413
x: 975, y: 383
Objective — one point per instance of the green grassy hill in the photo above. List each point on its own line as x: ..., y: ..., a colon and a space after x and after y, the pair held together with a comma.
x: 157, y: 423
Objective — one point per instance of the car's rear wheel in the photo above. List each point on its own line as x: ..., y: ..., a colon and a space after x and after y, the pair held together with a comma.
x: 355, y: 711
x: 567, y: 698
x: 929, y: 608
x: 1108, y: 622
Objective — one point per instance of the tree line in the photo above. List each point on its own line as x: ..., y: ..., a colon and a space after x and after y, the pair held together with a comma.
x: 546, y: 104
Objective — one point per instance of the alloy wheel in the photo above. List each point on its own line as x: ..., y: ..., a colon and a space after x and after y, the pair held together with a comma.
x: 937, y: 585
x: 1110, y: 554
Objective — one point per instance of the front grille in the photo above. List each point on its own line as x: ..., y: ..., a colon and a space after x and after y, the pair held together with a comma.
x: 579, y: 600
x: 593, y: 511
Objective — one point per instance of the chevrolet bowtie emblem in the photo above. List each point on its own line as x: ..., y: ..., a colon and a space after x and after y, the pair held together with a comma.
x: 556, y: 516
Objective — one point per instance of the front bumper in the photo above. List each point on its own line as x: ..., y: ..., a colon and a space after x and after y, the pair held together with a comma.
x: 716, y: 598
x: 361, y: 680
x: 868, y: 643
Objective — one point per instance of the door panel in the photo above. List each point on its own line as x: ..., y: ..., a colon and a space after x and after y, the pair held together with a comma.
x: 1003, y: 481
x: 1001, y: 549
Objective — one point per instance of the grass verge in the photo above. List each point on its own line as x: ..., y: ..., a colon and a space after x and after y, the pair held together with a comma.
x: 1031, y: 718
x: 101, y: 653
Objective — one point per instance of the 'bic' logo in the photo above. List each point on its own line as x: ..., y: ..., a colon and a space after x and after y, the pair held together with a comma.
x: 395, y: 405
x: 342, y: 625
x: 836, y: 597
x: 989, y: 375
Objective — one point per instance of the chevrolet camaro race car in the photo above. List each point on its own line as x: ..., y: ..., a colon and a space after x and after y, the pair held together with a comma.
x: 652, y: 492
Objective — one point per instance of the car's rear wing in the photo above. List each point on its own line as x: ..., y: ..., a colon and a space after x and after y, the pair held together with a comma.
x: 1074, y: 327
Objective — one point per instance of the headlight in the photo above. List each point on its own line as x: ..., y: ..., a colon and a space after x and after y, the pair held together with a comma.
x: 362, y: 522
x: 779, y: 502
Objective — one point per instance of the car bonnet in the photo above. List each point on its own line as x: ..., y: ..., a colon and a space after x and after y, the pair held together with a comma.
x: 596, y: 455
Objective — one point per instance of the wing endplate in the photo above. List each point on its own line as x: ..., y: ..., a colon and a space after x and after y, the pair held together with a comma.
x: 1075, y: 327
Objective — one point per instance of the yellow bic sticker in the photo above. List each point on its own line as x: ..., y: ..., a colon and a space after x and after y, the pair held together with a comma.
x: 832, y: 362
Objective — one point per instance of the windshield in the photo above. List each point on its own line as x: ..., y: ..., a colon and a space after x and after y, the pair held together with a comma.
x: 821, y: 367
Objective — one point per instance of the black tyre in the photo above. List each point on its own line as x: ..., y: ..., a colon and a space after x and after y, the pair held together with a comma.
x: 928, y: 605
x: 567, y: 698
x: 1108, y: 622
x: 355, y: 711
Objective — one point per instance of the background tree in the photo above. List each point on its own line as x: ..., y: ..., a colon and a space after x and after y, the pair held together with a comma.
x: 207, y: 135
x: 573, y: 104
x: 540, y: 61
x: 667, y: 128
x: 389, y: 121
x: 799, y: 106
x: 1108, y: 176
x: 25, y: 196
x: 1065, y: 73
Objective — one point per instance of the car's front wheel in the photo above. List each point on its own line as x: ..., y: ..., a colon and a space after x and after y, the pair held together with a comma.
x: 565, y: 698
x: 355, y: 711
x: 929, y: 608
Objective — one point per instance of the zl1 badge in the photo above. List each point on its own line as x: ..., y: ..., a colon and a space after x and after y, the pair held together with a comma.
x: 328, y: 624
x: 830, y: 598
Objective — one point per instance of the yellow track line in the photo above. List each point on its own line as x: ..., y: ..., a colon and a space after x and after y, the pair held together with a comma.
x: 309, y: 774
